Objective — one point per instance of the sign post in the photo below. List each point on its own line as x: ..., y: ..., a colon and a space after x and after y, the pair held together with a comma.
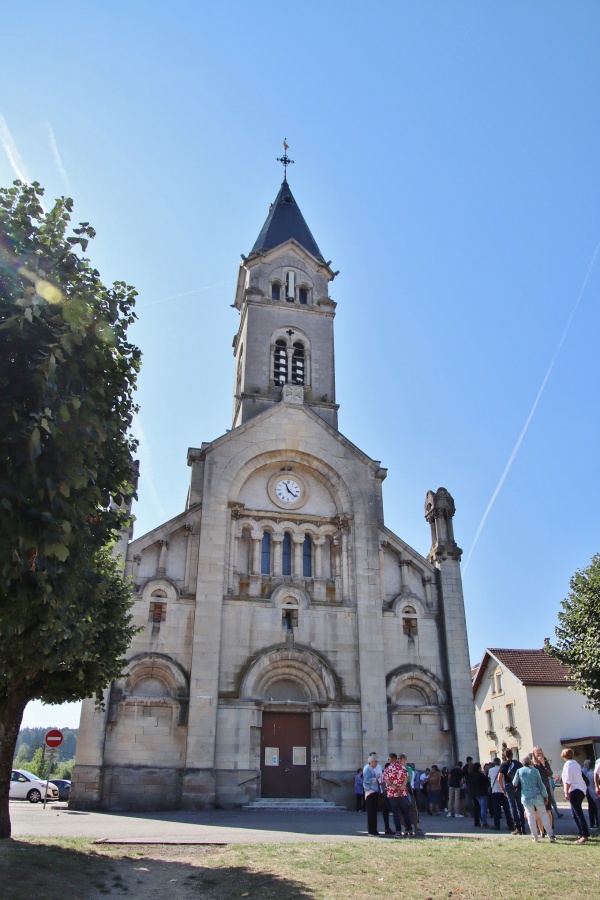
x: 53, y: 740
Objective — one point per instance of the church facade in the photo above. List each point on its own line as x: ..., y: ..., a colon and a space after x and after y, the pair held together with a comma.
x: 286, y: 632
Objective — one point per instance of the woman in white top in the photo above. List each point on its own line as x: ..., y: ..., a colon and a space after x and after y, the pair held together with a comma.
x: 575, y: 788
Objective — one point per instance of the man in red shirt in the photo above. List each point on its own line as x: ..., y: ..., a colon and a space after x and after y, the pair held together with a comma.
x: 396, y: 779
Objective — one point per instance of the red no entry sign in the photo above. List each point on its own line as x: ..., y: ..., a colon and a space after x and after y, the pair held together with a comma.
x: 54, y: 738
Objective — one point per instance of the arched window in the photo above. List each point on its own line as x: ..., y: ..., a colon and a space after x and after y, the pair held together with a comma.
x: 303, y: 295
x: 280, y: 363
x: 286, y: 554
x: 238, y: 376
x: 307, y: 557
x: 265, y: 560
x: 275, y: 291
x: 409, y: 622
x: 298, y: 363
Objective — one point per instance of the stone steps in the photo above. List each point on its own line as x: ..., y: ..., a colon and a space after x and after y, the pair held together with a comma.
x: 287, y: 804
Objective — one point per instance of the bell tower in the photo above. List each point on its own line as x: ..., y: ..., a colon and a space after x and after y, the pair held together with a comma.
x: 284, y: 345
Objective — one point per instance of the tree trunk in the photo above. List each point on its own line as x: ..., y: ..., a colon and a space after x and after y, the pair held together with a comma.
x: 12, y: 707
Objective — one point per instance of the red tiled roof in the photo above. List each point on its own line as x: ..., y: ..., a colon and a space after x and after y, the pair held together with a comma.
x: 533, y: 666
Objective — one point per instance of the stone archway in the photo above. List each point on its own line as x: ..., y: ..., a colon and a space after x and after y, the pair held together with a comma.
x: 289, y: 683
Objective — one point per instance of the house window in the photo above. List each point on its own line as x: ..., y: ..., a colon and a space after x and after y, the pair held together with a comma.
x: 510, y: 712
x: 275, y: 291
x: 498, y: 682
x: 303, y: 295
x: 280, y: 363
x: 489, y: 714
x: 307, y: 557
x: 298, y: 363
x: 286, y: 554
x: 265, y: 562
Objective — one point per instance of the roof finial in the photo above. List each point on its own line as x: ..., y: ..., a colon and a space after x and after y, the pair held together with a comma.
x: 285, y: 160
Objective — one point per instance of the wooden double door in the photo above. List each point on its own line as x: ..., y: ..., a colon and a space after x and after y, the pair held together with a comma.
x: 285, y: 754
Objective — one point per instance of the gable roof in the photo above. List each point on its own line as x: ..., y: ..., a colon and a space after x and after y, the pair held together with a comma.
x: 284, y: 222
x: 531, y: 667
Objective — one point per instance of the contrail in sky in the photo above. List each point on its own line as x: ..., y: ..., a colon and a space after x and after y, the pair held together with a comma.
x: 532, y: 411
x: 57, y: 159
x: 143, y: 452
x: 10, y: 148
x: 201, y: 290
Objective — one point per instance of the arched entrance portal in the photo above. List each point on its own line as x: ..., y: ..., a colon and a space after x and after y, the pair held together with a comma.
x: 290, y: 683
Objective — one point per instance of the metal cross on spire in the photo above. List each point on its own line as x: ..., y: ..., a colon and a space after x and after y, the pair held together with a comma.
x: 285, y: 160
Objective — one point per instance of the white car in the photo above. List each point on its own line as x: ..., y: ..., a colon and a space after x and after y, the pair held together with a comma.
x: 25, y: 786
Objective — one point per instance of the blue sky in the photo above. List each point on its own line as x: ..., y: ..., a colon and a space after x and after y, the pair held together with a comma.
x: 446, y: 162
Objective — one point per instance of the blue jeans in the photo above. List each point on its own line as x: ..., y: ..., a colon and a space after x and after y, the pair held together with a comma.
x: 400, y: 808
x: 483, y: 807
x: 499, y: 802
x: 516, y: 807
x: 576, y: 798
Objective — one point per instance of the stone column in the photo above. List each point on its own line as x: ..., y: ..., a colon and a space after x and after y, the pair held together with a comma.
x: 277, y: 543
x: 189, y: 529
x: 297, y: 543
x: 134, y: 569
x: 233, y: 549
x: 445, y: 555
x: 162, y: 559
x: 318, y: 545
x: 256, y: 552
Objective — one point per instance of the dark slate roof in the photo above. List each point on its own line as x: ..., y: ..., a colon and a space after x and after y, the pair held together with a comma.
x: 285, y: 221
x: 531, y: 667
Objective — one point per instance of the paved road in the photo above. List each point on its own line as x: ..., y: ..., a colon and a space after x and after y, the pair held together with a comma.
x: 225, y: 826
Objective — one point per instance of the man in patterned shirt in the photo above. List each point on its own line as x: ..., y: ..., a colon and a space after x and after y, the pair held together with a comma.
x: 396, y: 779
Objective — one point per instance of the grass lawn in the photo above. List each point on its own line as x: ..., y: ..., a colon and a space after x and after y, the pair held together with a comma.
x: 362, y: 870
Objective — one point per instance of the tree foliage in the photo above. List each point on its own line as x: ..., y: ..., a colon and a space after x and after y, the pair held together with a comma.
x: 67, y: 377
x: 578, y: 633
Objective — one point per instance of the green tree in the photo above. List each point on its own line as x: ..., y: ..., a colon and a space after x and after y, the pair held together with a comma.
x: 39, y: 764
x: 67, y: 376
x: 578, y: 633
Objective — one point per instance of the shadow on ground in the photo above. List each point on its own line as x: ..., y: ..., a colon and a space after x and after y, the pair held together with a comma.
x: 89, y: 873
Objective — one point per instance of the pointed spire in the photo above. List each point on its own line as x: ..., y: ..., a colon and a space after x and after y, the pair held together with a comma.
x: 285, y: 221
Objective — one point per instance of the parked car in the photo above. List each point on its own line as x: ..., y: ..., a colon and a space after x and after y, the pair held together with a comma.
x: 25, y: 786
x: 64, y: 787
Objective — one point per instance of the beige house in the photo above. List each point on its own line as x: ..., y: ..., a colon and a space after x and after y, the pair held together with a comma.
x: 286, y: 632
x: 523, y: 699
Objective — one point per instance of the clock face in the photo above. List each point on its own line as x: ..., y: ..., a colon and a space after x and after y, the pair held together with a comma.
x: 288, y: 490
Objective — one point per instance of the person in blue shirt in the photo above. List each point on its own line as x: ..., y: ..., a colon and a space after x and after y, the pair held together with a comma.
x: 359, y: 792
x: 533, y: 797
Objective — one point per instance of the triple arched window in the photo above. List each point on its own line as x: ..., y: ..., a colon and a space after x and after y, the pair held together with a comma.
x: 287, y: 555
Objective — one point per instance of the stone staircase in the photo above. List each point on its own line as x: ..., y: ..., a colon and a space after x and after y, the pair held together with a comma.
x: 284, y: 804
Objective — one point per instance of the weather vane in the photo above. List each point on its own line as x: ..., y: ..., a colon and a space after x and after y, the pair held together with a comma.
x: 285, y: 160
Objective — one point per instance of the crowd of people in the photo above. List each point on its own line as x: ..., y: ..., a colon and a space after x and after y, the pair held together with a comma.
x: 520, y: 791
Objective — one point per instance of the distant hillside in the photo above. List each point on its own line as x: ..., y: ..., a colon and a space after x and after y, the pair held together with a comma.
x: 32, y: 738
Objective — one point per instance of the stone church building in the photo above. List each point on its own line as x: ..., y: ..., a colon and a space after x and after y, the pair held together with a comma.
x: 286, y: 631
